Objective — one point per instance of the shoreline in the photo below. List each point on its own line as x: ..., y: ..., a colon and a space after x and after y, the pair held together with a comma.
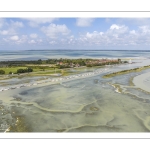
x: 57, y: 80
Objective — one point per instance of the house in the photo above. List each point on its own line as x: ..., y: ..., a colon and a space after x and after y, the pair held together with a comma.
x: 77, y: 65
x: 61, y: 63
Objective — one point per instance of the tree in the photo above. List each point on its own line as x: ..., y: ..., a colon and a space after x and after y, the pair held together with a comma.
x: 2, y: 72
x: 24, y: 70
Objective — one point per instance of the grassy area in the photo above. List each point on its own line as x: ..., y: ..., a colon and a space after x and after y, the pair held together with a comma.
x: 35, y: 69
x: 11, y: 69
x: 43, y: 70
x: 125, y: 71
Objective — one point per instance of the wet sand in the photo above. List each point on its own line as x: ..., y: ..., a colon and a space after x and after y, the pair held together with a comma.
x: 142, y: 81
x: 80, y: 106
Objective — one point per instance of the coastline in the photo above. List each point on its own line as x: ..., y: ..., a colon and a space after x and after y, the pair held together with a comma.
x: 58, y: 80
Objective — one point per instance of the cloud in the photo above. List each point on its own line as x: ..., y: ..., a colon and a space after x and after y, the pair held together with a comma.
x: 94, y: 34
x: 16, y: 24
x: 11, y: 28
x: 116, y: 30
x: 144, y: 29
x: 33, y: 35
x: 116, y: 35
x: 132, y: 32
x: 32, y: 42
x: 14, y: 38
x: 34, y: 22
x: 84, y: 22
x: 4, y: 32
x: 9, y: 31
x: 114, y: 26
x: 22, y: 39
x: 53, y: 30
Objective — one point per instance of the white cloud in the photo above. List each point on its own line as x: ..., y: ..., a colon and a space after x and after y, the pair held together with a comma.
x: 95, y: 34
x: 14, y: 38
x: 9, y: 31
x: 132, y: 32
x: 34, y: 22
x: 22, y: 39
x: 117, y: 30
x: 115, y: 35
x: 11, y: 28
x: 33, y: 35
x: 16, y: 24
x: 144, y: 29
x: 4, y: 32
x: 32, y: 42
x: 53, y: 30
x: 114, y: 26
x: 84, y: 22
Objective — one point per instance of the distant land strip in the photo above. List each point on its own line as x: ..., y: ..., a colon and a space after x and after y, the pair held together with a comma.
x: 126, y: 71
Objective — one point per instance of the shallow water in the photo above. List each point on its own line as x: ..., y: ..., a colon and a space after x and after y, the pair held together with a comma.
x: 82, y: 105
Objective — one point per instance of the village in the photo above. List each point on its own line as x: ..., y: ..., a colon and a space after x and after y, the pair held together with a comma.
x: 14, y: 67
x: 64, y: 63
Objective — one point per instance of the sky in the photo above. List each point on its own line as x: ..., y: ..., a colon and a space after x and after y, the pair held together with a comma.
x: 75, y: 33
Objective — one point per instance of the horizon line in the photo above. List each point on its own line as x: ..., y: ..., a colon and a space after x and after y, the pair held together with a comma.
x: 77, y: 49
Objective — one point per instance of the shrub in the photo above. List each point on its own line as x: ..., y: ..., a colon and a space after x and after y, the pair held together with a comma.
x: 2, y: 72
x: 24, y: 70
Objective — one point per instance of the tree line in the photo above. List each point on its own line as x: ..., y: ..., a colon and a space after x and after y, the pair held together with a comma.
x: 18, y: 71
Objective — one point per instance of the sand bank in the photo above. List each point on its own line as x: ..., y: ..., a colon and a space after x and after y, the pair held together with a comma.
x: 142, y: 81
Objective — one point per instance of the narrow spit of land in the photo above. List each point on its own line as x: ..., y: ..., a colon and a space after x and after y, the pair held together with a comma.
x: 126, y: 71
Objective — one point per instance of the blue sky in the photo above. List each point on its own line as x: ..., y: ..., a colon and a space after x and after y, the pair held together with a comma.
x: 74, y: 33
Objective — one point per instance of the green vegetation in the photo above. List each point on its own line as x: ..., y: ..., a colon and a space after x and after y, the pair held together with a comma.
x: 11, y: 69
x: 94, y: 108
x: 51, y: 66
x: 125, y: 72
x: 61, y: 63
x: 24, y: 70
x: 2, y: 72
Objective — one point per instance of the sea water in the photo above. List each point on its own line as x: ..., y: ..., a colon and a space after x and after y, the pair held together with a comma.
x: 47, y: 54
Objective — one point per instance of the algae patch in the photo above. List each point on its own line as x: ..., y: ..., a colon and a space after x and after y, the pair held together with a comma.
x: 19, y: 126
x: 94, y: 108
